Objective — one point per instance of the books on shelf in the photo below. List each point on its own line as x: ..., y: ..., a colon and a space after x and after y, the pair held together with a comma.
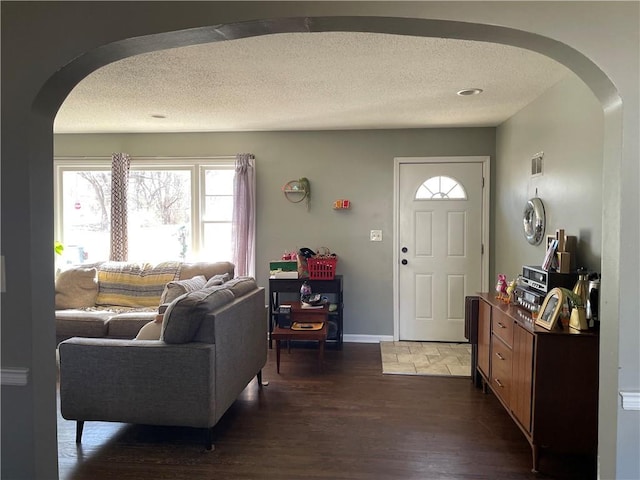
x: 550, y: 255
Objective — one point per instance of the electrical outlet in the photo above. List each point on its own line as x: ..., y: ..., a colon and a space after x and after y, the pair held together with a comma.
x: 376, y: 235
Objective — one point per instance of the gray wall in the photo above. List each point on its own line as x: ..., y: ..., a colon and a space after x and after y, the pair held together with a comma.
x: 603, y: 49
x: 357, y: 165
x: 566, y: 123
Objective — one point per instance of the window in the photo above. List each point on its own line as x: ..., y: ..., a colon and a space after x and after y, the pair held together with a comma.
x: 178, y: 209
x: 218, y: 209
x: 159, y: 215
x: 86, y: 208
x: 441, y: 188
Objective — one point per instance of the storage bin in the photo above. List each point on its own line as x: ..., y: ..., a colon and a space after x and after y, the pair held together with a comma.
x: 322, y: 268
x: 284, y: 265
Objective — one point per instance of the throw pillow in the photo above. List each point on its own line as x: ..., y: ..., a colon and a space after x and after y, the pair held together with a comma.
x: 150, y: 331
x: 217, y: 280
x: 179, y: 287
x: 134, y: 284
x: 76, y: 288
x: 241, y: 285
x: 185, y: 314
x: 208, y: 269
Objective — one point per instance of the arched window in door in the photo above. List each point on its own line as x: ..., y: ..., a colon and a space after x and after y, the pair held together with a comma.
x: 441, y: 188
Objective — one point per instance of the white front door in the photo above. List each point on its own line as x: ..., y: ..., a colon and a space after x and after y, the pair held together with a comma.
x: 440, y: 247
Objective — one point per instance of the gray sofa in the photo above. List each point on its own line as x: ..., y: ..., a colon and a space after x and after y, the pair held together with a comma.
x: 213, y: 343
x: 90, y: 300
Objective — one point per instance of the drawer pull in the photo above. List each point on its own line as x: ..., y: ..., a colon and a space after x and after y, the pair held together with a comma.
x: 501, y: 325
x: 499, y: 383
x: 499, y: 355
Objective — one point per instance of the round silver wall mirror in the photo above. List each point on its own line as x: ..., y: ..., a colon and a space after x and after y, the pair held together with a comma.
x: 534, y: 221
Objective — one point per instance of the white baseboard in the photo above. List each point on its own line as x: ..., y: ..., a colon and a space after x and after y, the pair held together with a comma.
x: 366, y: 338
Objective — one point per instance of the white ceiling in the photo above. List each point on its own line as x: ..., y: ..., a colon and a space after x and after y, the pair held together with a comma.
x: 309, y: 81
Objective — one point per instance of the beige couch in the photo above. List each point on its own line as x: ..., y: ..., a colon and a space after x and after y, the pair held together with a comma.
x: 116, y: 299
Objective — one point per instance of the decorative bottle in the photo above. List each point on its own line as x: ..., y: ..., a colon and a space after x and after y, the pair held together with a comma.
x: 581, y: 287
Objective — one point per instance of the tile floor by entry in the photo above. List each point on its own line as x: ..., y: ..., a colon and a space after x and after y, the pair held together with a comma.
x: 426, y: 358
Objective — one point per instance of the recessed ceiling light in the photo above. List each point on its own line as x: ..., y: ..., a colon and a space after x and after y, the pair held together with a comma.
x: 469, y: 91
x: 157, y: 115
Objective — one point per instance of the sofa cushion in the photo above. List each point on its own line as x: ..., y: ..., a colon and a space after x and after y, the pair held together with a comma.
x: 81, y: 323
x: 128, y: 324
x: 184, y: 315
x: 217, y: 280
x: 134, y: 284
x: 179, y: 287
x: 241, y: 285
x: 76, y: 288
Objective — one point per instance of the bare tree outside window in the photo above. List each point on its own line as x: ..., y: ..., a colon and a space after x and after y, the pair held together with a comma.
x: 164, y: 194
x: 86, y: 206
x: 159, y: 214
x: 161, y: 211
x: 101, y: 184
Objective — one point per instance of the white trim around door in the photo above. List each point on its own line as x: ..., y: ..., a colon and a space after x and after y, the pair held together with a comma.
x: 486, y: 197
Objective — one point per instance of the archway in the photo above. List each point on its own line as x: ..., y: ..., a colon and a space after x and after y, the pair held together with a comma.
x: 55, y: 90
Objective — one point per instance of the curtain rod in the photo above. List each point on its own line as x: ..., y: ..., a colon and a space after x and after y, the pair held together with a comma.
x: 190, y: 157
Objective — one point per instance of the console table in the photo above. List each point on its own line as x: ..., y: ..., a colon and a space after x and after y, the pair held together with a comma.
x: 279, y: 287
x: 546, y: 380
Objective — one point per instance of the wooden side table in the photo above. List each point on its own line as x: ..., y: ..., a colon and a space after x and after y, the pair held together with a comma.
x: 310, y: 315
x: 302, y: 315
x: 281, y: 289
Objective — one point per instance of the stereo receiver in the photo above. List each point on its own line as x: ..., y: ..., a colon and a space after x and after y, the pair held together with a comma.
x: 529, y: 299
x: 536, y: 278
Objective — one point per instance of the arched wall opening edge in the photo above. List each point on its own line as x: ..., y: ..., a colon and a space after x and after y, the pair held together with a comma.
x: 53, y: 93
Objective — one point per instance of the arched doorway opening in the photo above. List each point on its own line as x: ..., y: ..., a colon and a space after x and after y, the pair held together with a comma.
x: 53, y: 93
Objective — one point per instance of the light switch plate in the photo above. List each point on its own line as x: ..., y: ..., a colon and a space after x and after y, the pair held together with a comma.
x: 376, y: 235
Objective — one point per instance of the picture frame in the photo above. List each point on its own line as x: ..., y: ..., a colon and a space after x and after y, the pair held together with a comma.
x: 551, y: 309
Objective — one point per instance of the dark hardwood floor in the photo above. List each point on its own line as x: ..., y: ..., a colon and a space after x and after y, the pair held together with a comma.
x: 349, y: 422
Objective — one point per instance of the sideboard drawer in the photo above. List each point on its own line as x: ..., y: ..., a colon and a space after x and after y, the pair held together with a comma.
x: 501, y: 370
x: 503, y: 327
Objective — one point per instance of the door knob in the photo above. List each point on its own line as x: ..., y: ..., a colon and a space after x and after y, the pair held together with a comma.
x: 404, y: 250
x: 404, y: 261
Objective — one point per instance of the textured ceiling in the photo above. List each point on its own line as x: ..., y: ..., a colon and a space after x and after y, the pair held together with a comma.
x: 309, y: 81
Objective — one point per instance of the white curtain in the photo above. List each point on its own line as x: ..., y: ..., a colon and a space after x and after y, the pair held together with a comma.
x: 119, y: 181
x: 244, y: 215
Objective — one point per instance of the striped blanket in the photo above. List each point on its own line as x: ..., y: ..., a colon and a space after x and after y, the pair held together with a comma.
x: 128, y: 284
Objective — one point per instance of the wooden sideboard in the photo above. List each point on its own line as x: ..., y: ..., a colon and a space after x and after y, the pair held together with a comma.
x: 546, y: 380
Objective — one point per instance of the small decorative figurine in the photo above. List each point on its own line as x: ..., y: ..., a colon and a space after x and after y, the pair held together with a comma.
x: 501, y: 286
x: 510, y: 290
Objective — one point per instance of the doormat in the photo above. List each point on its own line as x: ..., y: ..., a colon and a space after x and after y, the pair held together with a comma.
x: 426, y: 358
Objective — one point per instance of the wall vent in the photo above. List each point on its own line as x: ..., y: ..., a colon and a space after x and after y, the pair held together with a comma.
x: 536, y: 164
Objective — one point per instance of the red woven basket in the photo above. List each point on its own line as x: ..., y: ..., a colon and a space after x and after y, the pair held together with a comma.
x: 322, y: 268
